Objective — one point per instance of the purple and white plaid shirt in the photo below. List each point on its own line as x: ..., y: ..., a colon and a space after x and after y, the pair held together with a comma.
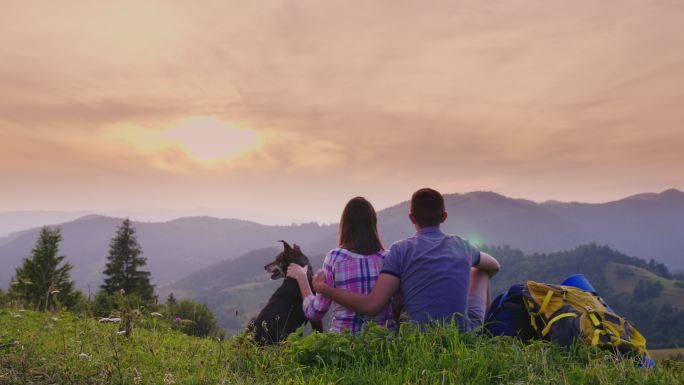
x: 353, y: 272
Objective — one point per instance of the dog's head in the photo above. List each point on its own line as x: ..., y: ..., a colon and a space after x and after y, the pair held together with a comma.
x: 290, y: 254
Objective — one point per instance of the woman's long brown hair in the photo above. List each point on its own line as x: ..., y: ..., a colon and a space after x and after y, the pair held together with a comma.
x: 359, y: 227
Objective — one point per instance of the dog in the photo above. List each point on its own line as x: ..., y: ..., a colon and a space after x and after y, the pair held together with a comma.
x: 283, y: 313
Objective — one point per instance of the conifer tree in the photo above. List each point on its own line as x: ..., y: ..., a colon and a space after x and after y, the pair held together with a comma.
x: 171, y: 299
x: 40, y: 282
x: 123, y: 267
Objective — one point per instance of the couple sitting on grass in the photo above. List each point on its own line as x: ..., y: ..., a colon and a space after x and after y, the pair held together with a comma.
x: 434, y: 277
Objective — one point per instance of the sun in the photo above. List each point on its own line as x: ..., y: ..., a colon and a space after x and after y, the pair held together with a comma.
x: 205, y: 139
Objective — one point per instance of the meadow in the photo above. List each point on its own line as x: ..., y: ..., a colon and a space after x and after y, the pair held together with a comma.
x: 62, y: 348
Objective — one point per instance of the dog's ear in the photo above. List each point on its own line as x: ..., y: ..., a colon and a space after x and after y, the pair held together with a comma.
x: 286, y: 245
x: 296, y: 248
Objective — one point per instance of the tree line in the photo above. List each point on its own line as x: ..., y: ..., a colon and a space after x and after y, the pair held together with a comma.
x: 43, y: 283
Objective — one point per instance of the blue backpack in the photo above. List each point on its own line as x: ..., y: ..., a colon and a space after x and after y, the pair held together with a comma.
x: 508, y: 316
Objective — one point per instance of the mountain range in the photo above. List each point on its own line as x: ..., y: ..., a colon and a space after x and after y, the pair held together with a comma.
x: 649, y: 225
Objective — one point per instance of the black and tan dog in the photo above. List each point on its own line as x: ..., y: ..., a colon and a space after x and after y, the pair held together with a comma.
x: 283, y: 313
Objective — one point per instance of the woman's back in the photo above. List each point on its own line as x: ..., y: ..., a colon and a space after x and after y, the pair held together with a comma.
x: 354, y: 272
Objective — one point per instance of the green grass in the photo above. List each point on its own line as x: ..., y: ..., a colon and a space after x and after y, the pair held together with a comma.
x: 38, y: 348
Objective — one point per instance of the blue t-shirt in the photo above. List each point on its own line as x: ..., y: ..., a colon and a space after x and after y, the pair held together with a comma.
x: 434, y: 273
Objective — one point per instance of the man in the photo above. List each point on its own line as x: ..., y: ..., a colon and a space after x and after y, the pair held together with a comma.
x: 441, y: 277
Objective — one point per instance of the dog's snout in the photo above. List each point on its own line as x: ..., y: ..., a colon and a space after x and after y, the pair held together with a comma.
x: 275, y: 270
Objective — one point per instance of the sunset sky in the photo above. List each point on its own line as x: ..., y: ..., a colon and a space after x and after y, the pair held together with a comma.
x: 282, y: 110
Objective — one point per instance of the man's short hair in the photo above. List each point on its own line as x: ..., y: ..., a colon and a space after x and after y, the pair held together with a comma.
x: 427, y: 207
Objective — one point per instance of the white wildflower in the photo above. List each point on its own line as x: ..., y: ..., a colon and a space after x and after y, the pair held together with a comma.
x: 84, y: 356
x: 156, y: 314
x: 168, y: 379
x: 138, y: 377
x: 120, y: 333
x: 54, y: 318
x: 54, y: 292
x: 115, y: 319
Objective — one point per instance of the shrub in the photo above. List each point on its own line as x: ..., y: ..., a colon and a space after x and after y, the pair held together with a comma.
x: 193, y: 318
x: 106, y: 304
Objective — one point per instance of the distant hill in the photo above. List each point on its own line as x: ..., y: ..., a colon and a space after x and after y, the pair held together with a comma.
x: 173, y: 249
x: 624, y: 279
x: 234, y: 289
x: 12, y: 221
x: 490, y: 218
x: 648, y: 225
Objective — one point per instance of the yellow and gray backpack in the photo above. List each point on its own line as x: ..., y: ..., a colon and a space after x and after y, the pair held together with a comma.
x: 564, y: 315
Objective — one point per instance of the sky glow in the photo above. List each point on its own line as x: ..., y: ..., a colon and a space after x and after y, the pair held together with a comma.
x: 289, y: 109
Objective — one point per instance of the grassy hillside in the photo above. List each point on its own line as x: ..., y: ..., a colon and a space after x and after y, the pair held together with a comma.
x: 38, y: 348
x: 625, y: 278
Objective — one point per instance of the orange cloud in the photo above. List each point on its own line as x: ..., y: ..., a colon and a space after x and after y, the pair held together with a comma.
x: 532, y: 100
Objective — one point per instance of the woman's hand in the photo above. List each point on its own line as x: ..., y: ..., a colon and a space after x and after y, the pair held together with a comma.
x: 319, y: 284
x: 297, y: 272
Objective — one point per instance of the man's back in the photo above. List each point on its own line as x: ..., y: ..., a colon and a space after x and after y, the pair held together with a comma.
x: 434, y: 273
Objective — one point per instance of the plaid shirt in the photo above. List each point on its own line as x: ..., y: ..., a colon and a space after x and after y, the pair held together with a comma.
x: 353, y: 272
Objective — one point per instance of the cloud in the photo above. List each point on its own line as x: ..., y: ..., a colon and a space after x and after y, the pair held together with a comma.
x: 530, y: 99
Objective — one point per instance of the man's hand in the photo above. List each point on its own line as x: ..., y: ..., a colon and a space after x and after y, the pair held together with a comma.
x: 297, y: 272
x: 319, y: 284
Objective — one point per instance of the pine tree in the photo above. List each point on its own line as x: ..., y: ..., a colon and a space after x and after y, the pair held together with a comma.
x: 40, y: 282
x: 171, y: 299
x: 123, y: 267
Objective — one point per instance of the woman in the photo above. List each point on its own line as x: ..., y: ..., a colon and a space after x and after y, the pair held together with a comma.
x: 353, y: 266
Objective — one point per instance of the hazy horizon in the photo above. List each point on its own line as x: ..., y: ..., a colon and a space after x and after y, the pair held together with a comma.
x: 25, y: 219
x: 283, y: 111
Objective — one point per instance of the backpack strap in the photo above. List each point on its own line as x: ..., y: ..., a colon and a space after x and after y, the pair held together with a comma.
x: 546, y: 301
x: 553, y: 320
x: 540, y: 311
